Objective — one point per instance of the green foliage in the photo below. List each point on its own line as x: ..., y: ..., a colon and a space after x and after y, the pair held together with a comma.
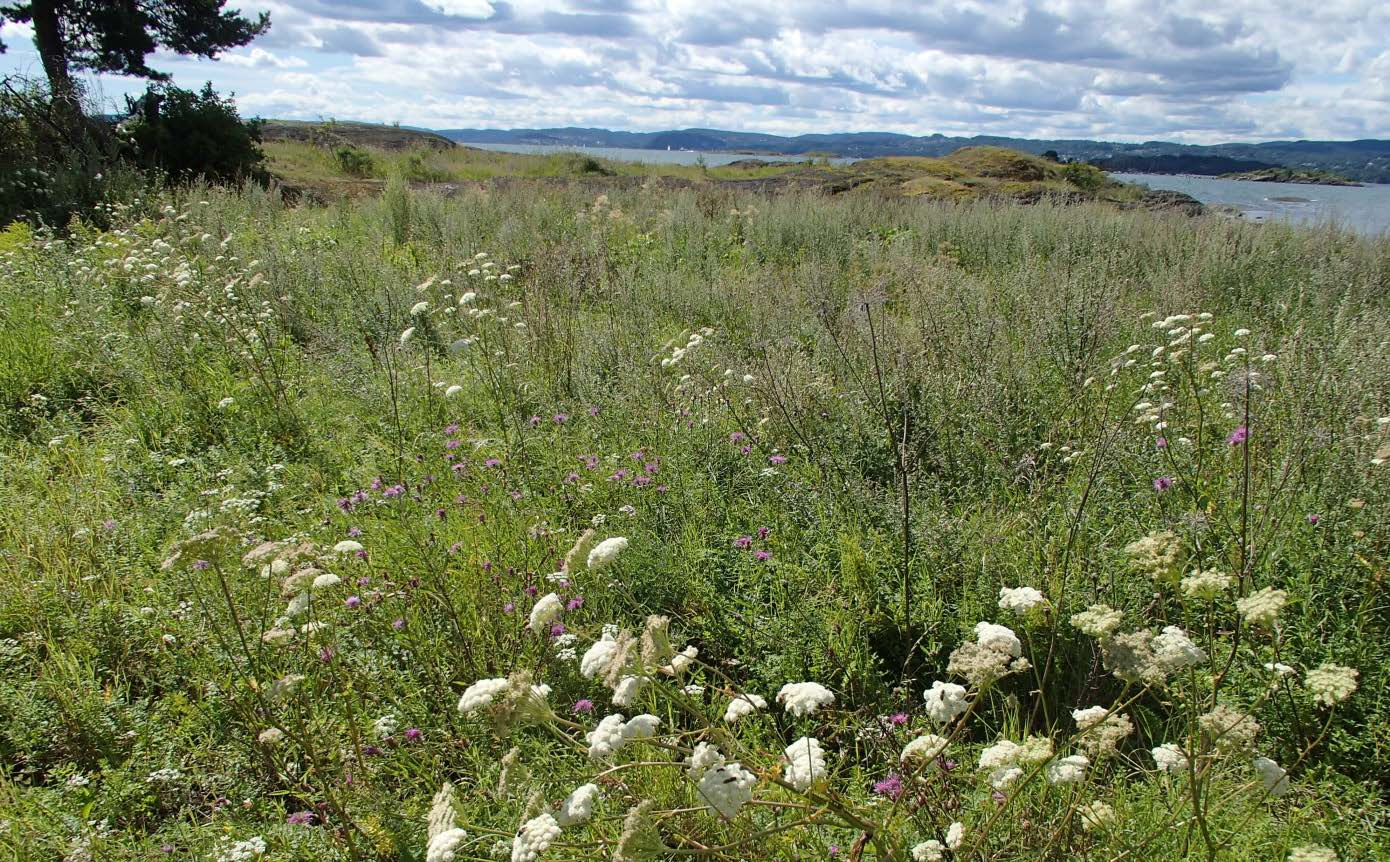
x: 354, y: 162
x: 187, y: 135
x: 741, y: 385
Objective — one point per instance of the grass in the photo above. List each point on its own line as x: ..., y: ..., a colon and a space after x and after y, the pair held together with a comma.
x: 830, y: 428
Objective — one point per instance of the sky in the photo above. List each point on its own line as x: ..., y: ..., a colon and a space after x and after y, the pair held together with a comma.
x: 1196, y: 71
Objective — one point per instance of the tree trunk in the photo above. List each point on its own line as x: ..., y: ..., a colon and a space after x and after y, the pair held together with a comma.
x: 48, y: 38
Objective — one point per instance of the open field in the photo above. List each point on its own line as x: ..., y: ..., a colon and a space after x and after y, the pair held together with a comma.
x: 297, y: 501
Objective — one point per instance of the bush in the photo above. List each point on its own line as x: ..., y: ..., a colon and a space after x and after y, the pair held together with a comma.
x: 354, y: 162
x: 187, y: 135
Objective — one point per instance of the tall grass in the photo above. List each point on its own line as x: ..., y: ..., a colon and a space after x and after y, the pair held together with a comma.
x: 830, y: 430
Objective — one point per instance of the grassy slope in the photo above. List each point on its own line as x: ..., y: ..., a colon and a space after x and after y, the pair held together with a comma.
x: 994, y: 328
x: 302, y: 155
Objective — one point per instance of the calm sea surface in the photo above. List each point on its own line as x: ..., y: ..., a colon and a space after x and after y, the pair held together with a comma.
x: 1365, y: 209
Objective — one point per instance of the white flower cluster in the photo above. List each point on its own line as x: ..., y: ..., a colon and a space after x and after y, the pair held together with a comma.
x: 945, y: 701
x: 803, y: 698
x: 805, y: 763
x: 1169, y: 758
x: 727, y: 788
x: 1099, y: 729
x: 1020, y: 600
x: 743, y: 705
x: 1274, y: 776
x: 995, y: 652
x: 1331, y: 683
x: 544, y: 612
x: 604, y: 553
x: 534, y: 837
x: 444, y: 846
x: 1006, y: 760
x: 613, y: 732
x: 1262, y: 607
x: 242, y: 851
x: 1068, y: 770
x: 578, y: 807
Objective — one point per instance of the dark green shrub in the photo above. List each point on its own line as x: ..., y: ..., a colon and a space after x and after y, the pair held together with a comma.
x: 187, y: 135
x: 354, y: 162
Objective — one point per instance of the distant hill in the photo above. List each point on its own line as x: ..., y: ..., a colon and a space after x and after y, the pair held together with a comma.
x: 336, y: 133
x: 1367, y: 160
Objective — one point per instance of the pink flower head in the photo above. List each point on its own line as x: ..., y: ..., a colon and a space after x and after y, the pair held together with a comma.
x: 1163, y: 483
x: 1238, y: 436
x: 583, y: 705
x: 890, y: 786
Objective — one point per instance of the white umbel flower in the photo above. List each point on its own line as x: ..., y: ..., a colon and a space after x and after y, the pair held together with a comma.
x: 1312, y: 853
x: 945, y: 701
x: 545, y: 611
x: 627, y: 689
x: 1331, y: 683
x: 1098, y: 621
x: 326, y: 580
x: 1100, y: 729
x: 534, y: 837
x: 998, y: 638
x: 1096, y: 815
x: 641, y: 726
x: 407, y: 336
x: 805, y: 763
x: 578, y: 806
x: 1020, y: 600
x: 419, y: 308
x: 1068, y: 770
x: 1261, y: 608
x: 704, y: 758
x: 480, y: 694
x: 727, y: 788
x: 803, y: 698
x: 1174, y: 650
x: 1169, y: 758
x: 441, y: 816
x: 607, y: 737
x: 605, y: 552
x: 743, y: 705
x: 930, y: 850
x: 444, y: 846
x: 596, y: 657
x: 924, y: 750
x: 347, y: 546
x: 955, y: 834
x: 1274, y: 776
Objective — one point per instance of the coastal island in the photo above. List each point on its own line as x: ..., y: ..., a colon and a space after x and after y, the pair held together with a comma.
x: 1292, y: 175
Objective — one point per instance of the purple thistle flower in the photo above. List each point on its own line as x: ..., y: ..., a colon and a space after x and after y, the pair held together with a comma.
x: 326, y: 655
x: 301, y: 818
x: 763, y: 531
x: 1163, y: 483
x: 508, y: 608
x: 492, y: 462
x: 898, y: 719
x: 559, y: 418
x: 452, y: 444
x: 743, y: 542
x: 642, y: 481
x: 1161, y: 443
x: 353, y: 601
x: 202, y: 565
x: 557, y: 629
x: 575, y: 603
x: 345, y: 504
x: 593, y: 411
x: 530, y: 588
x: 763, y: 556
x: 777, y: 460
x: 413, y: 734
x: 362, y: 554
x: 108, y: 525
x: 890, y: 786
x: 582, y: 705
x: 1238, y: 436
x: 451, y: 429
x: 370, y: 750
x: 354, y: 532
x: 534, y: 421
x: 1314, y: 518
x: 398, y: 624
x: 571, y: 478
x: 737, y: 436
x: 364, y: 581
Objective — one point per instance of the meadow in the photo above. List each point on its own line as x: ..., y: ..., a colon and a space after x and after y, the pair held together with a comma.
x: 525, y: 522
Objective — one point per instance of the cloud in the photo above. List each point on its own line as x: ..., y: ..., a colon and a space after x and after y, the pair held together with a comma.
x: 1122, y: 69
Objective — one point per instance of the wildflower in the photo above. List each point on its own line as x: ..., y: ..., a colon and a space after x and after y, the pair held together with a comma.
x: 578, y: 806
x: 1098, y: 621
x: 1130, y: 656
x: 925, y: 749
x: 890, y: 785
x: 1096, y: 815
x: 1001, y: 762
x: 607, y: 737
x: 452, y: 391
x: 534, y: 837
x: 1068, y: 770
x: 945, y: 701
x: 596, y: 657
x: 1262, y: 608
x: 347, y: 546
x: 1312, y: 853
x: 242, y: 851
x: 930, y: 850
x: 762, y: 556
x: 444, y: 846
x: 704, y: 758
x: 803, y: 698
x: 1169, y: 758
x: 326, y: 580
x: 353, y: 601
x: 727, y: 788
x: 480, y: 694
x: 1158, y: 555
x: 407, y: 336
x: 627, y: 689
x: 413, y: 734
x: 1020, y: 600
x: 441, y: 814
x: 1206, y: 585
x: 897, y: 719
x: 955, y: 833
x: 1274, y: 776
x: 271, y: 736
x: 805, y: 763
x: 544, y: 612
x: 1163, y: 483
x: 998, y: 638
x: 742, y: 705
x: 1174, y: 650
x: 1238, y: 436
x: 1330, y: 683
x: 384, y: 726
x: 1228, y: 729
x: 300, y: 818
x: 582, y: 706
x: 419, y: 308
x: 1100, y: 730
x: 605, y: 552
